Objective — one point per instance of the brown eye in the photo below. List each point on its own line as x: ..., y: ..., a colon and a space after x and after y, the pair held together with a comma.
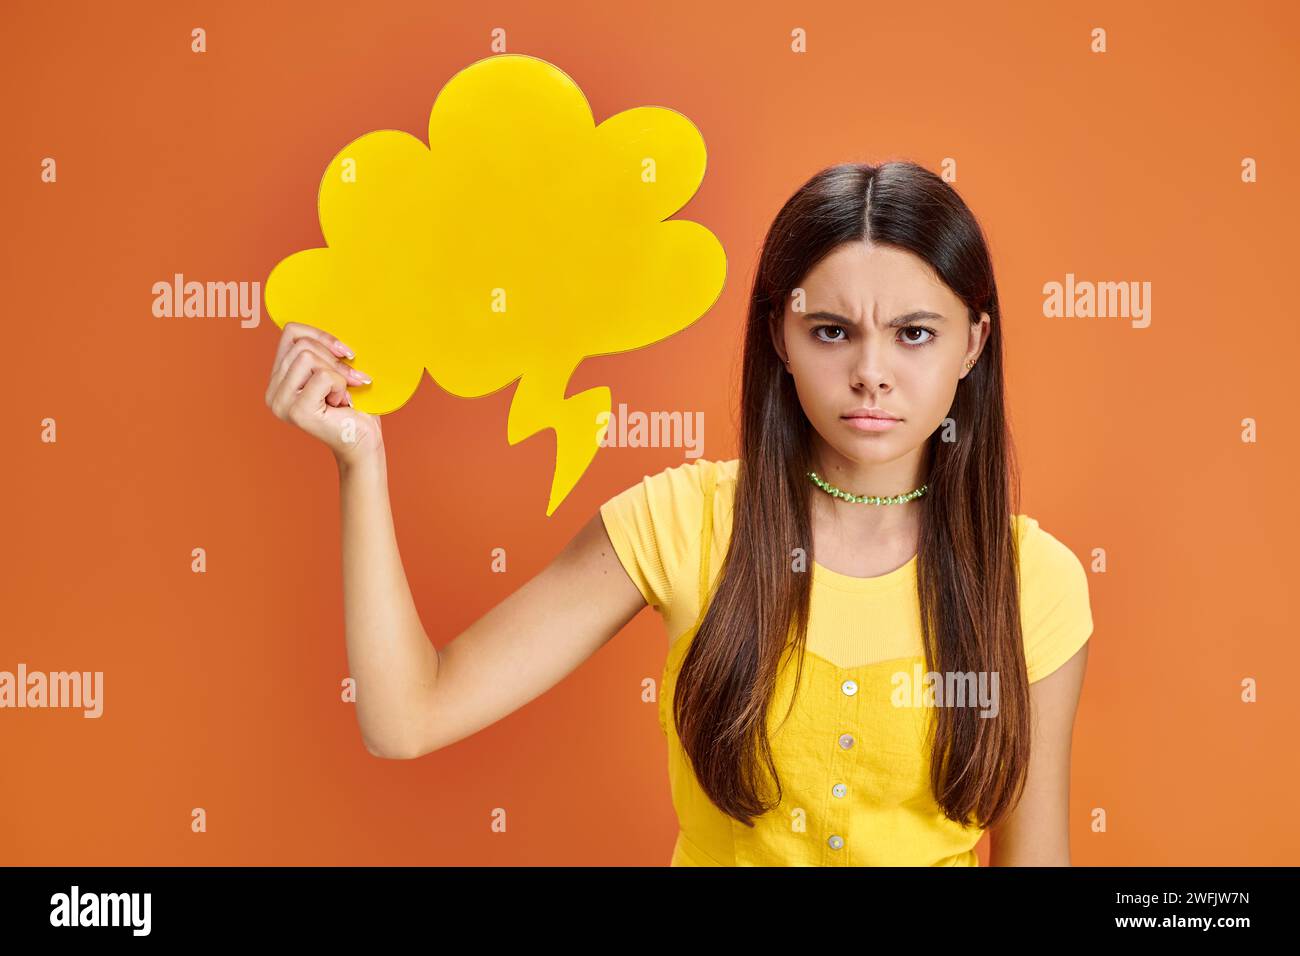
x: 836, y: 328
x: 918, y: 328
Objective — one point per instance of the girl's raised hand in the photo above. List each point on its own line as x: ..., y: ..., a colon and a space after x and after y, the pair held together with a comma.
x: 309, y: 389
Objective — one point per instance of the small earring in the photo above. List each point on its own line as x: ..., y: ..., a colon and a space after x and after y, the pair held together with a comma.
x: 970, y: 365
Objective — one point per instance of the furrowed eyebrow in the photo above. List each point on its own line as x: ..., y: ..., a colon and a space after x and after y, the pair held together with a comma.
x: 906, y: 319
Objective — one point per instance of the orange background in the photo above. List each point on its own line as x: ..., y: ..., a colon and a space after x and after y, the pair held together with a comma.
x: 221, y: 690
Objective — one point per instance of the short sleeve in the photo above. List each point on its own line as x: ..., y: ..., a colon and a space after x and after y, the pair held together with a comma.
x: 1055, y: 609
x: 655, y: 528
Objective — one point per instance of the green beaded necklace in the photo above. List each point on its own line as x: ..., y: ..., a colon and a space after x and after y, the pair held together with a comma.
x: 864, y: 499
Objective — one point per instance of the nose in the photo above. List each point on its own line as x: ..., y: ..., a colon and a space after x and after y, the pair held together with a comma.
x: 870, y: 365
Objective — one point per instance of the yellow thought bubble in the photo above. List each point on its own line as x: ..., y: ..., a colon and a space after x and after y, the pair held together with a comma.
x: 523, y: 239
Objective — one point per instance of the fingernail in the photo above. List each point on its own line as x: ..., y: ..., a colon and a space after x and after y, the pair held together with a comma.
x: 361, y: 375
x: 347, y: 352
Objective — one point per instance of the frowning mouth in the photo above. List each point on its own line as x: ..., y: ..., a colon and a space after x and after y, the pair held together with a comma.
x: 872, y: 412
x: 870, y: 423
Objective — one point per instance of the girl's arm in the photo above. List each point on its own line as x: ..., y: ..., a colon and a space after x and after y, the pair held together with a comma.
x: 1037, y: 833
x: 411, y: 698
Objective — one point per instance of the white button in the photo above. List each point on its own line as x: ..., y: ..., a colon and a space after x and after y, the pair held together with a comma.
x: 836, y: 842
x: 850, y: 687
x: 839, y: 790
x: 846, y: 741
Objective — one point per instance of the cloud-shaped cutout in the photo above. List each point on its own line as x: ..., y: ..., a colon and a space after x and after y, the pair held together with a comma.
x: 523, y: 239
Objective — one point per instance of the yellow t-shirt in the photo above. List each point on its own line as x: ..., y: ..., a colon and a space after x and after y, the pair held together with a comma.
x: 854, y: 766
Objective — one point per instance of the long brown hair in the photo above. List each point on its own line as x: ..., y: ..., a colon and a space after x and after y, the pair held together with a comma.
x: 967, y: 580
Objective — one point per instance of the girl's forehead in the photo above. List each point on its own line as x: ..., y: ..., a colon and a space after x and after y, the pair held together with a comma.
x: 875, y: 302
x: 868, y: 286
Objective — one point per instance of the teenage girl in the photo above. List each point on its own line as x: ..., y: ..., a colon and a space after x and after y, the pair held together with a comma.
x: 874, y: 657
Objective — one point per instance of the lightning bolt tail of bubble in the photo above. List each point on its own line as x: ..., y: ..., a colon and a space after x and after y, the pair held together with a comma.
x: 539, y: 403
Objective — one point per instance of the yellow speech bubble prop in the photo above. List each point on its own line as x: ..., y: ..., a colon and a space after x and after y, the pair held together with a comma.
x: 523, y: 239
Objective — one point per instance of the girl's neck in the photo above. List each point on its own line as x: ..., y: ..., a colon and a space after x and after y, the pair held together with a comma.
x: 844, y: 526
x: 892, y: 526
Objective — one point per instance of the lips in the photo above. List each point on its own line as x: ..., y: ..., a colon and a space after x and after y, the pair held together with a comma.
x: 864, y: 423
x: 881, y: 415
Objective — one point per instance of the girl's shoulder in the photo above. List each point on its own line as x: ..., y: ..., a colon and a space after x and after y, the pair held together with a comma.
x: 700, y: 471
x: 1055, y: 605
x: 686, y: 484
x: 656, y: 525
x: 1039, y: 547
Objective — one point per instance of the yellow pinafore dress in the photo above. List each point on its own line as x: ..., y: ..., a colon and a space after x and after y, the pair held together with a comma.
x: 854, y: 769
